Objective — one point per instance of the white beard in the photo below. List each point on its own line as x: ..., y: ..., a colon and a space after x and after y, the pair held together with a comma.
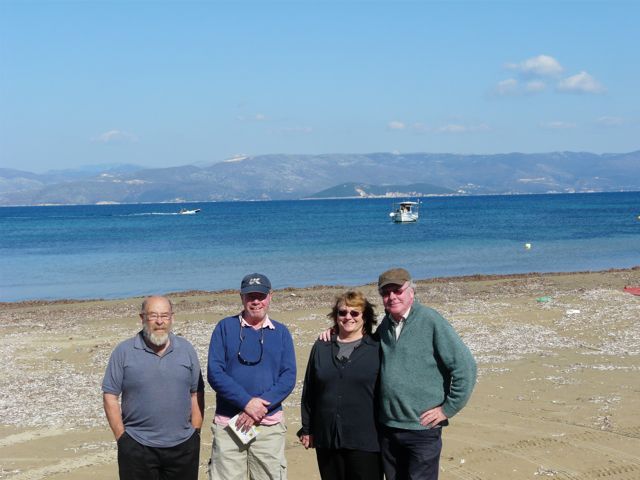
x: 157, y: 339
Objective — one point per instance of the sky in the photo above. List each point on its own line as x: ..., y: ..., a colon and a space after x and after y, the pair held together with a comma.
x: 161, y: 84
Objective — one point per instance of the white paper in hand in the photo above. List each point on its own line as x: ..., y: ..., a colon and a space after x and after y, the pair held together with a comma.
x: 244, y: 437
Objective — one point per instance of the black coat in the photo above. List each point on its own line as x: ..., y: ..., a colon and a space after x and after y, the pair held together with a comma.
x: 339, y: 397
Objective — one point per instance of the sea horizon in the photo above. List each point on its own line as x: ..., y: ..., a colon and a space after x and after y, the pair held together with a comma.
x: 127, y: 250
x: 368, y: 197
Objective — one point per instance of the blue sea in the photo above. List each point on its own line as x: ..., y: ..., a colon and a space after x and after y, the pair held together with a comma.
x: 115, y: 251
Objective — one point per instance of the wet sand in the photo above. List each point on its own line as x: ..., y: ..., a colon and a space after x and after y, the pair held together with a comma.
x: 558, y: 394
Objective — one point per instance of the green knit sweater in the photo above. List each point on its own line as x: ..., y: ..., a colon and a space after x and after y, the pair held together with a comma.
x: 427, y: 366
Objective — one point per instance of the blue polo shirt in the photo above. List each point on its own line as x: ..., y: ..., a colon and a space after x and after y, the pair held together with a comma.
x: 156, y: 390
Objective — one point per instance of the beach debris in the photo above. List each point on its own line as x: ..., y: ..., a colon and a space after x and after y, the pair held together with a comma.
x: 572, y: 311
x: 604, y: 422
x: 546, y: 472
x: 544, y: 299
x: 4, y: 472
x: 560, y: 380
x: 632, y: 290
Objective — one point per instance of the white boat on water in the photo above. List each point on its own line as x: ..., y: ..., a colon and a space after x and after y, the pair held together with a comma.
x: 404, y: 212
x: 184, y: 211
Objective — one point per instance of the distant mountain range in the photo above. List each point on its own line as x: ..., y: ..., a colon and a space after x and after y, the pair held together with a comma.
x: 363, y: 190
x: 274, y: 177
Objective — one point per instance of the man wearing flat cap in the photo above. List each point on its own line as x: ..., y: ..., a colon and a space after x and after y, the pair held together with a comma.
x: 427, y: 375
x: 252, y: 368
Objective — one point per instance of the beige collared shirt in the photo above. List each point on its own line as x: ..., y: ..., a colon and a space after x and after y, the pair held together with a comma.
x: 399, y: 324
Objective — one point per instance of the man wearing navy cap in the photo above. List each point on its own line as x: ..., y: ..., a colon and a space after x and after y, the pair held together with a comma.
x: 252, y: 368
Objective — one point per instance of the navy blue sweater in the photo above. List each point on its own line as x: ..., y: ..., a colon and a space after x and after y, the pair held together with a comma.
x: 235, y: 383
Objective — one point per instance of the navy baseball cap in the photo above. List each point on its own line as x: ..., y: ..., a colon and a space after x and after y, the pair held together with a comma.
x: 255, y: 282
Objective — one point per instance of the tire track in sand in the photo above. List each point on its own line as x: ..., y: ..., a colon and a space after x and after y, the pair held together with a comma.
x: 66, y: 466
x: 29, y: 435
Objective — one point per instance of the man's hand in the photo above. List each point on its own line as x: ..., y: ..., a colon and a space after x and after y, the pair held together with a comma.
x: 326, y: 335
x: 114, y: 415
x: 256, y: 408
x: 432, y: 417
x: 245, y: 422
x: 307, y: 441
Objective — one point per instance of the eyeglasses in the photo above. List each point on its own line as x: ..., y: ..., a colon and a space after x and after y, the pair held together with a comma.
x: 155, y: 316
x: 397, y: 291
x: 241, y: 359
x: 353, y: 313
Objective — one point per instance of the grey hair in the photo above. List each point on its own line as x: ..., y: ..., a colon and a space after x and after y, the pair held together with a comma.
x: 143, y: 307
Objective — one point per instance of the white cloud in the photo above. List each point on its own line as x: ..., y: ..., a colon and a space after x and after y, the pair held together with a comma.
x: 255, y: 117
x: 452, y: 128
x: 421, y: 128
x: 511, y: 86
x: 535, y: 86
x: 608, y: 121
x: 540, y: 66
x: 116, y: 136
x: 459, y: 128
x: 558, y: 125
x: 580, y: 83
x: 535, y: 71
x: 507, y: 87
x: 396, y: 125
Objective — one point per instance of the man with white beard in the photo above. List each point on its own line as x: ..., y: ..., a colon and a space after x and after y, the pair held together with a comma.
x: 157, y: 429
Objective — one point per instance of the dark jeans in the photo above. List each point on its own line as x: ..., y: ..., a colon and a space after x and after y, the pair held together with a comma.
x: 411, y: 454
x: 139, y: 462
x: 343, y: 464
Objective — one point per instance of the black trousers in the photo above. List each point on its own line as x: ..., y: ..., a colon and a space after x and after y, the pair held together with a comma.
x: 344, y: 464
x: 139, y: 462
x: 411, y: 454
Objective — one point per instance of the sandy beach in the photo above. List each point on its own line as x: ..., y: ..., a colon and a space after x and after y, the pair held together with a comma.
x: 557, y: 395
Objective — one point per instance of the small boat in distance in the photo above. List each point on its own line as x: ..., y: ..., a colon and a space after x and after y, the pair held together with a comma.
x: 184, y: 211
x: 404, y: 212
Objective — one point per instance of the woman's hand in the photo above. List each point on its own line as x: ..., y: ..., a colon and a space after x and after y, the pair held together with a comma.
x: 307, y: 441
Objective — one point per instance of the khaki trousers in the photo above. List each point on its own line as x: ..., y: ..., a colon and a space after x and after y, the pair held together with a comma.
x: 261, y: 459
